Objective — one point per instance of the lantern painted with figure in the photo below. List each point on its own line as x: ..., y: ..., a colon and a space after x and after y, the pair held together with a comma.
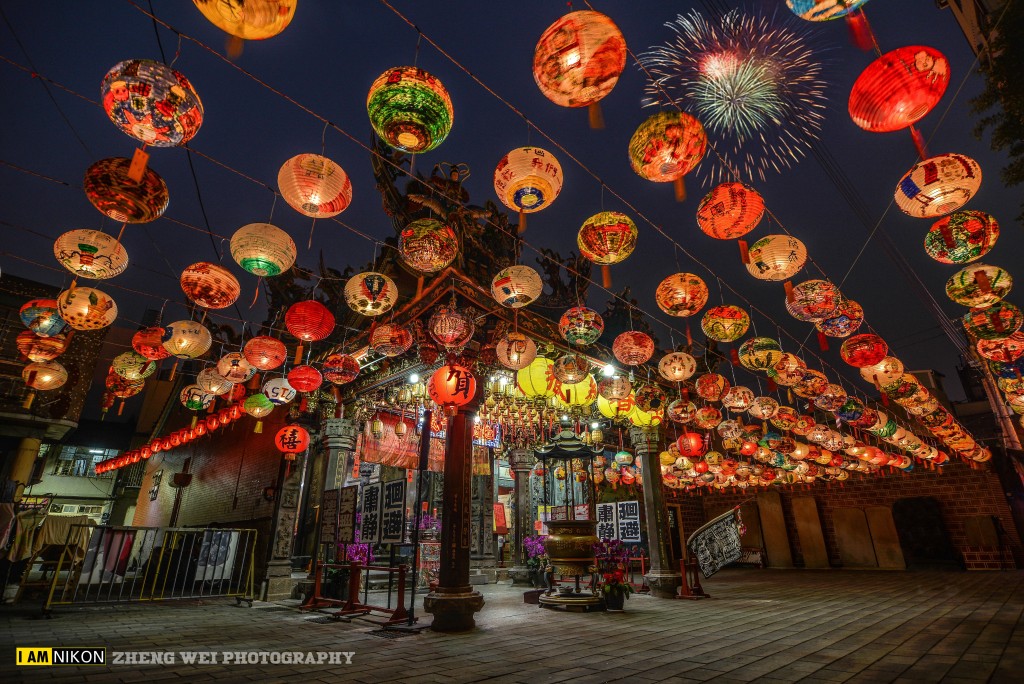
x: 633, y: 348
x: 725, y: 323
x: 42, y: 316
x: 680, y: 411
x: 711, y: 386
x: 961, y: 237
x: 279, y: 391
x: 938, y: 185
x: 109, y: 188
x: 677, y: 366
x: 581, y: 326
x: 738, y: 398
x: 91, y: 254
x: 314, y: 186
x: 186, y: 339
x: 844, y: 321
x: 370, y: 293
x: 37, y: 348
x: 667, y: 146
x: 249, y: 20
x: 123, y: 388
x: 149, y: 342
x: 650, y: 398
x: 340, y: 369
x: 615, y: 388
x: 235, y: 368
x: 707, y: 417
x: 44, y: 375
x: 515, y: 350
x: 884, y: 372
x: 996, y: 322
x: 516, y: 286
x: 428, y: 245
x: 571, y: 368
x: 607, y: 238
x: 832, y: 398
x: 813, y: 300
x: 776, y: 257
x: 263, y: 249
x: 305, y: 378
x: 212, y: 382
x: 681, y: 294
x: 133, y: 366
x: 527, y: 179
x: 759, y: 353
x: 291, y: 440
x: 763, y: 408
x: 864, y: 350
x: 265, y: 353
x: 730, y: 211
x: 811, y: 385
x: 211, y: 286
x: 578, y: 59
x: 86, y: 308
x: 151, y: 102
x: 308, y: 321
x: 979, y: 286
x: 259, y: 407
x: 391, y: 339
x: 1007, y: 349
x: 899, y: 88
x: 410, y: 109
x: 451, y: 386
x: 823, y: 10
x: 194, y: 398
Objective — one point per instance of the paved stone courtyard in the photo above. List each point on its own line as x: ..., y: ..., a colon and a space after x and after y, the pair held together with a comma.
x: 758, y: 626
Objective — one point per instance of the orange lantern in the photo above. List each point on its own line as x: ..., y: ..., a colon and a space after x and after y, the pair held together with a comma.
x: 265, y: 353
x: 340, y: 369
x: 109, y: 188
x: 861, y: 351
x: 681, y: 294
x: 899, y: 88
x: 309, y: 321
x: 149, y: 342
x: 209, y: 285
x: 633, y: 348
x: 730, y: 211
x: 451, y: 386
x: 315, y: 186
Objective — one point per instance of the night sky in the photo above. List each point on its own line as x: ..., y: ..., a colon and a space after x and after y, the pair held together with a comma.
x: 327, y: 60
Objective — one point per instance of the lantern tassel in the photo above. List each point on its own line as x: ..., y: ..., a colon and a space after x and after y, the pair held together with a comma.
x: 195, y: 419
x: 29, y: 398
x: 120, y: 409
x: 919, y: 145
x: 234, y: 46
x: 744, y: 251
x: 770, y: 384
x: 522, y: 223
x: 259, y: 427
x: 680, y: 188
x: 298, y: 354
x: 256, y: 294
x: 174, y: 369
x: 860, y: 30
x: 788, y: 287
x: 606, y: 276
x: 689, y: 336
x: 822, y: 341
x: 595, y: 116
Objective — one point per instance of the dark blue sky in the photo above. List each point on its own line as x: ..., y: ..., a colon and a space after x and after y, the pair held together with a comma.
x: 327, y: 60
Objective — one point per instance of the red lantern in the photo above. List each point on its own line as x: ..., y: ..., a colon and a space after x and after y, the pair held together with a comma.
x: 748, y: 448
x: 305, y: 378
x: 899, y: 88
x: 864, y: 350
x: 691, y: 445
x: 212, y: 423
x: 265, y: 353
x: 451, y: 386
x: 730, y: 210
x: 309, y: 321
x: 149, y: 342
x: 291, y: 440
x: 700, y: 467
x: 341, y: 368
x: 633, y: 348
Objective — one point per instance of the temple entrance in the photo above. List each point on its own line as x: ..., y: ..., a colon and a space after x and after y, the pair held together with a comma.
x: 923, y: 535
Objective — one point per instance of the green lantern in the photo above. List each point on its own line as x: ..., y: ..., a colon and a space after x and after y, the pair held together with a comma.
x: 410, y: 109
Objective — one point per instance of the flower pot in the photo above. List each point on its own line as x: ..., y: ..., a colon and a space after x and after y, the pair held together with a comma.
x: 615, y: 600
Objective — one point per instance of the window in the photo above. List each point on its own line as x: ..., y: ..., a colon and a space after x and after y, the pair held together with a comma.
x: 78, y: 461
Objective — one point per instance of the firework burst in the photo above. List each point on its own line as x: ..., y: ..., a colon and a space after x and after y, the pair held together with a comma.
x: 752, y: 80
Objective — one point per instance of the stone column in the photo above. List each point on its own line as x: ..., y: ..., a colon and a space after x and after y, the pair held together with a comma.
x: 520, y: 462
x: 663, y: 577
x: 454, y: 601
x: 340, y: 441
x: 279, y: 570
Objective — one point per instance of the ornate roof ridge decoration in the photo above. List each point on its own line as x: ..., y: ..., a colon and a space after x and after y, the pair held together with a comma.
x: 566, y: 445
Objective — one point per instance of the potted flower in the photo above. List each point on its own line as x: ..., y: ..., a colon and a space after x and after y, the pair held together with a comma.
x: 616, y: 590
x: 536, y: 558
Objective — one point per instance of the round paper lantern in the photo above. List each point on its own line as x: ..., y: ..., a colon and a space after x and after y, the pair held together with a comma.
x: 235, y: 368
x: 996, y: 322
x: 516, y: 286
x: 788, y: 370
x: 884, y: 372
x: 251, y: 19
x: 314, y: 186
x: 528, y: 179
x: 633, y: 348
x: 279, y: 391
x: 90, y: 254
x: 194, y: 398
x: 390, y: 339
x: 515, y: 350
x: 823, y: 10
x: 263, y: 249
x: 832, y: 398
x: 86, y: 308
x: 109, y: 189
x: 681, y: 294
x: 616, y: 409
x: 641, y: 418
x: 707, y: 417
x: 725, y: 323
x: 581, y: 326
x: 813, y: 300
x: 691, y: 445
x: 615, y: 388
x: 258, y: 405
x: 212, y: 382
x: 577, y: 394
x: 650, y: 398
x: 899, y: 88
x: 451, y: 386
x: 340, y: 369
x: 776, y: 257
x: 210, y: 286
x: 961, y: 237
x: 44, y: 375
x: 305, y: 378
x: 428, y: 245
x: 42, y: 316
x: 571, y: 368
x: 38, y: 348
x: 711, y: 386
x: 292, y: 439
x: 763, y: 408
x: 759, y: 353
x: 133, y: 366
x: 738, y: 398
x: 123, y: 388
x: 811, y: 385
x: 667, y: 146
x: 370, y: 293
x: 677, y: 366
x: 309, y: 320
x: 1007, y: 349
x: 151, y: 102
x: 979, y: 286
x: 410, y: 109
x: 844, y: 321
x: 186, y: 339
x: 785, y: 418
x: 607, y: 238
x: 537, y: 379
x: 680, y: 411
x: 864, y: 350
x: 579, y: 58
x: 730, y: 211
x: 149, y: 342
x: 938, y: 185
x: 265, y: 353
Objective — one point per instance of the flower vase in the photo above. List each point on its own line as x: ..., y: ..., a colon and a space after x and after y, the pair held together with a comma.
x: 615, y: 600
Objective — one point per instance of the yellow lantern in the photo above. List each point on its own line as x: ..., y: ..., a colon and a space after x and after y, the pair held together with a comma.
x: 641, y: 418
x: 886, y: 371
x: 86, y: 308
x: 371, y: 293
x: 538, y: 379
x: 249, y: 19
x: 616, y: 408
x: 187, y: 339
x: 582, y: 393
x: 776, y: 257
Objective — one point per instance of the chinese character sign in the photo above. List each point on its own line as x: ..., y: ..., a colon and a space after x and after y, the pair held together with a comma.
x: 607, y: 522
x: 369, y: 532
x: 393, y: 513
x: 629, y: 521
x: 329, y: 517
x: 717, y: 543
x: 347, y: 514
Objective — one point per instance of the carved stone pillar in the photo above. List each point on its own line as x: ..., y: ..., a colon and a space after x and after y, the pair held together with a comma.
x: 340, y: 441
x: 279, y: 570
x: 663, y: 577
x: 520, y: 462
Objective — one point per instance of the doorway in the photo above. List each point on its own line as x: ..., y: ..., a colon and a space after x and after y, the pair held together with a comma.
x: 923, y: 535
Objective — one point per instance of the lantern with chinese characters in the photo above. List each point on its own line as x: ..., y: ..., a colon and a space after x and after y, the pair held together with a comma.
x: 340, y: 369
x: 667, y: 146
x: 86, y: 308
x: 996, y: 322
x: 186, y: 339
x: 308, y: 321
x: 813, y: 300
x: 730, y: 211
x: 884, y: 372
x: 151, y: 102
x: 844, y: 321
x: 305, y: 378
x: 864, y: 350
x: 725, y: 323
x: 677, y: 366
x: 249, y: 20
x: 109, y: 189
x: 37, y: 348
x: 641, y: 418
x: 410, y: 109
x: 938, y: 185
x: 763, y: 408
x: 42, y: 316
x: 738, y: 398
x: 265, y: 353
x: 314, y: 186
x: 211, y: 286
x: 132, y: 366
x: 90, y: 254
x: 681, y: 294
x: 194, y: 398
x: 759, y: 353
x: 279, y: 391
x: 44, y: 375
x: 149, y: 342
x: 370, y: 293
x: 235, y: 368
x: 451, y: 328
x: 391, y: 339
x: 263, y: 249
x: 615, y: 388
x: 578, y: 59
x: 616, y: 409
x: 776, y: 257
x: 537, y: 379
x: 691, y: 445
x: 811, y: 385
x: 516, y: 286
x: 451, y: 386
x: 527, y: 179
x: 961, y: 237
x: 259, y: 407
x: 711, y: 386
x: 1007, y: 349
x: 823, y: 10
x: 576, y: 394
x: 515, y: 350
x: 291, y: 440
x: 581, y: 326
x: 607, y: 238
x: 571, y: 368
x: 899, y: 88
x: 979, y: 286
x: 707, y: 417
x: 788, y: 370
x: 428, y: 245
x: 212, y: 382
x: 633, y: 348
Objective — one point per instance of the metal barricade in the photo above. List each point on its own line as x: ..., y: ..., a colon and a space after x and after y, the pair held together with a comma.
x: 131, y: 564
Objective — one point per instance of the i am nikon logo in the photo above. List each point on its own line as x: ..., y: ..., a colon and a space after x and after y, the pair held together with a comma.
x: 60, y: 655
